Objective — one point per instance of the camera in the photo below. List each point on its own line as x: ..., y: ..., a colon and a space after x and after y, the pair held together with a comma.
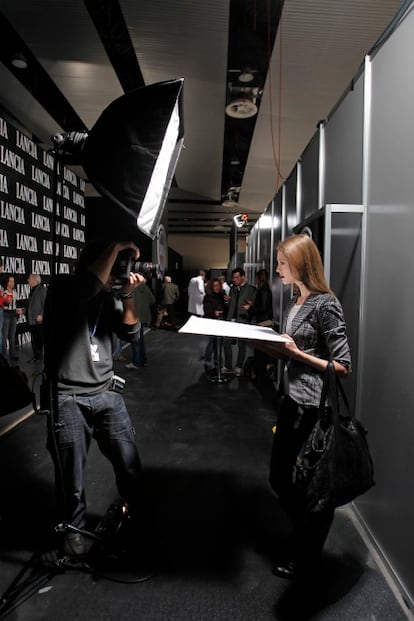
x: 125, y: 263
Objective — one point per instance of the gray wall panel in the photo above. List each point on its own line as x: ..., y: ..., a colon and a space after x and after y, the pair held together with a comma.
x: 387, y: 370
x: 343, y: 149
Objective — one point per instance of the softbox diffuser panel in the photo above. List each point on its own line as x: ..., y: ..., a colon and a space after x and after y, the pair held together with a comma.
x: 123, y: 149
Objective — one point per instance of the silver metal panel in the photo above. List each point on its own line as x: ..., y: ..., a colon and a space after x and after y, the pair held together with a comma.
x: 291, y: 198
x: 265, y: 223
x: 386, y: 383
x: 310, y: 178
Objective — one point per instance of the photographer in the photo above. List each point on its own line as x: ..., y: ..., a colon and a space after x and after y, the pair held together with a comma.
x: 81, y: 314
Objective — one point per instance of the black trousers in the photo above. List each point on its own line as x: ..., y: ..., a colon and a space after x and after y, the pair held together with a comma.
x: 36, y: 334
x: 310, y: 530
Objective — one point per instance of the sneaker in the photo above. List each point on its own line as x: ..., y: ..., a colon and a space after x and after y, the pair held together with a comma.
x: 74, y: 545
x: 226, y: 370
x: 238, y: 371
x: 131, y: 365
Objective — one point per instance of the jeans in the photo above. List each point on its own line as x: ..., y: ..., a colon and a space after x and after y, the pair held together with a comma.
x: 211, y: 350
x: 139, y: 354
x: 228, y: 355
x: 78, y: 420
x: 1, y: 328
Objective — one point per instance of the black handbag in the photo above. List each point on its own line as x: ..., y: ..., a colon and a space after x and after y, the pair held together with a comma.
x: 334, y: 465
x: 15, y: 391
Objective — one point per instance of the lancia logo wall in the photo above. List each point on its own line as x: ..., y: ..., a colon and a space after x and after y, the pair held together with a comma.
x: 26, y: 208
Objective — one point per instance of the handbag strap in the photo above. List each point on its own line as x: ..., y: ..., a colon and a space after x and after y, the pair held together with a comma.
x: 330, y: 390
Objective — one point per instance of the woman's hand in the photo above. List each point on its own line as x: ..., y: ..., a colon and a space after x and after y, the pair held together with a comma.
x: 290, y: 347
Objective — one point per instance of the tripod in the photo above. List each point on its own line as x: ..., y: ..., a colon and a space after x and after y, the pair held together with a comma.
x: 219, y: 378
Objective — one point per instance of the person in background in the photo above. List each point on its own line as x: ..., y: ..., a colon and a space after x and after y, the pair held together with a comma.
x: 314, y: 325
x: 196, y: 293
x: 261, y: 313
x: 34, y: 315
x: 170, y: 294
x: 118, y: 349
x: 144, y: 302
x: 214, y: 306
x: 224, y: 284
x: 10, y: 310
x: 82, y: 312
x: 241, y: 298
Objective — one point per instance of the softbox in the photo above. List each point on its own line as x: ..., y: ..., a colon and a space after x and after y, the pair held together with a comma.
x: 131, y: 152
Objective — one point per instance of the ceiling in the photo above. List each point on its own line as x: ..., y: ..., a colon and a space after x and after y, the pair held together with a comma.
x: 83, y: 54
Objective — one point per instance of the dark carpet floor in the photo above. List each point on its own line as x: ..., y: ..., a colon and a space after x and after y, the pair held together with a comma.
x: 210, y: 523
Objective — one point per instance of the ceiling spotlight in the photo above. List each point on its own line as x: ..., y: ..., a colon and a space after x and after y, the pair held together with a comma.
x: 246, y: 75
x: 19, y: 61
x: 241, y: 109
x: 231, y: 197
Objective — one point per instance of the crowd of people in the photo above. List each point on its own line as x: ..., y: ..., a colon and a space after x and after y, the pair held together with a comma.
x: 10, y: 311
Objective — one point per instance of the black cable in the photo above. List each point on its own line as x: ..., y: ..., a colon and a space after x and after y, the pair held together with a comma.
x: 94, y: 572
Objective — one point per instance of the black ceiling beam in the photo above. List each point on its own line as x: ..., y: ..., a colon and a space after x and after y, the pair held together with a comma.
x: 191, y: 201
x: 252, y: 32
x: 111, y: 27
x: 36, y: 80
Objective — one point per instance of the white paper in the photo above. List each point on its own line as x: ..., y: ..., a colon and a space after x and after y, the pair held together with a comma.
x: 232, y: 329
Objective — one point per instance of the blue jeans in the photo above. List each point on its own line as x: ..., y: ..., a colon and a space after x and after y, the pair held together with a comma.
x: 139, y: 354
x: 78, y: 420
x: 211, y: 350
x: 228, y: 354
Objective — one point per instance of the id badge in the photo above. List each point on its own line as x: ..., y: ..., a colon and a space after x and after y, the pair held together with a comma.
x: 94, y: 352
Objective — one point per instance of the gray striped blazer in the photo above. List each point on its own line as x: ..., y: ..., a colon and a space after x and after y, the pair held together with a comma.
x: 318, y: 329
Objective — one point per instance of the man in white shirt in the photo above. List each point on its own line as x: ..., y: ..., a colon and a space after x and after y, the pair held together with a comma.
x: 196, y: 293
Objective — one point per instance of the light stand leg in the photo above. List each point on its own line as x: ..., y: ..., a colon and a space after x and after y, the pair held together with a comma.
x: 219, y: 378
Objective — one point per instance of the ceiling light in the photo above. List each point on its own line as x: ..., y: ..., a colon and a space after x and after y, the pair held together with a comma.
x: 19, y: 61
x: 246, y: 75
x: 241, y: 109
x: 230, y: 197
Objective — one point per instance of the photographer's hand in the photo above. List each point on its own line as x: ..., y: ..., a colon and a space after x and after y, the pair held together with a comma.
x: 127, y: 296
x: 102, y: 267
